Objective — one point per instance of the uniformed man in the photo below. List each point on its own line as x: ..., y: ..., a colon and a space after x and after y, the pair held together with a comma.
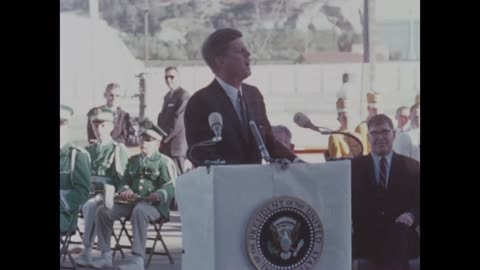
x: 74, y: 175
x: 402, y: 116
x: 341, y: 146
x: 123, y: 131
x: 373, y: 99
x: 145, y: 196
x: 109, y: 160
x: 408, y: 143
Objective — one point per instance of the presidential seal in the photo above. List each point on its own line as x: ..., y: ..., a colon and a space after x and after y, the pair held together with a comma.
x: 285, y: 233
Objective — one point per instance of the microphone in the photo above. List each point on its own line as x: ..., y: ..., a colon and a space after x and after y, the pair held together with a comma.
x: 259, y: 141
x: 303, y: 121
x: 216, y: 124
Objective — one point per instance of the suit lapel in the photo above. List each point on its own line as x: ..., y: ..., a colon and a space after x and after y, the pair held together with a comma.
x: 227, y: 109
x: 394, y: 168
x: 372, y: 180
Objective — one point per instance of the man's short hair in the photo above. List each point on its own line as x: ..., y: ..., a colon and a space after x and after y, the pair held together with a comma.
x: 282, y: 129
x: 380, y: 119
x: 401, y: 108
x: 414, y: 107
x: 170, y: 68
x: 111, y: 86
x: 217, y: 43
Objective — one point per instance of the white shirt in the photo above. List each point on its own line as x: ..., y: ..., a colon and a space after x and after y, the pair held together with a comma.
x: 408, y: 144
x: 376, y: 165
x: 232, y: 94
x: 345, y: 91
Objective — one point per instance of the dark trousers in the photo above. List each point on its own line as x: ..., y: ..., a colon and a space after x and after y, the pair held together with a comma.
x: 388, y: 249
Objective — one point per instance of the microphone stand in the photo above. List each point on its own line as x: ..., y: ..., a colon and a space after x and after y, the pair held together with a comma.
x: 206, y: 163
x: 348, y: 135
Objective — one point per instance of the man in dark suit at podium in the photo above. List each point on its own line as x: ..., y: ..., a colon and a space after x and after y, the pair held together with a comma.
x: 385, y: 201
x: 237, y: 102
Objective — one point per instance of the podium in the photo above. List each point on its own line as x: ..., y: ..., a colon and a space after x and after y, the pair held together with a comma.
x: 217, y: 204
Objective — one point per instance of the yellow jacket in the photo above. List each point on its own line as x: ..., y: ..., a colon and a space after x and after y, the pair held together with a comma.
x: 342, y: 146
x: 362, y: 129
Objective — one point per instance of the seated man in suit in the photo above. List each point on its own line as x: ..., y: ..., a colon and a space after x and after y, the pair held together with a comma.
x: 385, y: 201
x: 227, y: 56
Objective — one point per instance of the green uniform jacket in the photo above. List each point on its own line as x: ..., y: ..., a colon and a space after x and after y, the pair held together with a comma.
x: 74, y: 184
x: 109, y: 160
x: 145, y: 175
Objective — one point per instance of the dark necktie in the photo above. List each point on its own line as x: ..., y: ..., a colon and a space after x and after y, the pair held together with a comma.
x: 243, y: 114
x: 243, y: 110
x: 383, y: 173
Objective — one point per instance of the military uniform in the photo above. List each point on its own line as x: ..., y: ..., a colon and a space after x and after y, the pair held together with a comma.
x: 74, y: 180
x: 144, y: 175
x: 373, y: 99
x: 362, y: 130
x: 341, y: 146
x: 123, y: 130
x: 108, y: 163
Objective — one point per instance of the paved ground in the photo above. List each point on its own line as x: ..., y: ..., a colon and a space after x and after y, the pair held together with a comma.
x: 171, y: 233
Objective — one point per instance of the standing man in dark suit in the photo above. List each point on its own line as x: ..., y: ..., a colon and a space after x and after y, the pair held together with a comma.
x: 123, y: 131
x: 171, y: 121
x: 385, y: 201
x: 227, y: 56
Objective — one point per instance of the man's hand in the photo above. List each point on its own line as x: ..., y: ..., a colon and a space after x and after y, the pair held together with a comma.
x: 283, y: 162
x: 298, y: 160
x: 154, y: 197
x: 405, y: 218
x: 127, y: 194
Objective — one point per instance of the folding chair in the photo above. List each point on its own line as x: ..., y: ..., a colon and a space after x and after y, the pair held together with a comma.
x: 157, y: 226
x: 65, y: 242
x: 118, y: 246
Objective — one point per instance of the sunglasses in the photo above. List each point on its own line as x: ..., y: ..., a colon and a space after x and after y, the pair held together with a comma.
x: 169, y: 77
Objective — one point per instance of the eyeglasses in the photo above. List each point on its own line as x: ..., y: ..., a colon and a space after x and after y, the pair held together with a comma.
x: 169, y: 77
x: 147, y: 138
x: 383, y: 132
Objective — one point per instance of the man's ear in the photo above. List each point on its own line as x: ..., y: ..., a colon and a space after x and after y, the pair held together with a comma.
x: 218, y: 61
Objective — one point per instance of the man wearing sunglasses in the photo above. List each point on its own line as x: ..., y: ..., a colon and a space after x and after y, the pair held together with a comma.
x: 147, y: 189
x: 109, y: 160
x: 171, y: 121
x: 385, y: 201
x: 123, y: 131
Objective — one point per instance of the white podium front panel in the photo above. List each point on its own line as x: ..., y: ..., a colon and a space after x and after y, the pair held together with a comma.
x: 216, y: 208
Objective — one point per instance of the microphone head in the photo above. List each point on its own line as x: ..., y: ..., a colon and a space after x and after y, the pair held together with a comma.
x: 215, y: 119
x: 302, y: 120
